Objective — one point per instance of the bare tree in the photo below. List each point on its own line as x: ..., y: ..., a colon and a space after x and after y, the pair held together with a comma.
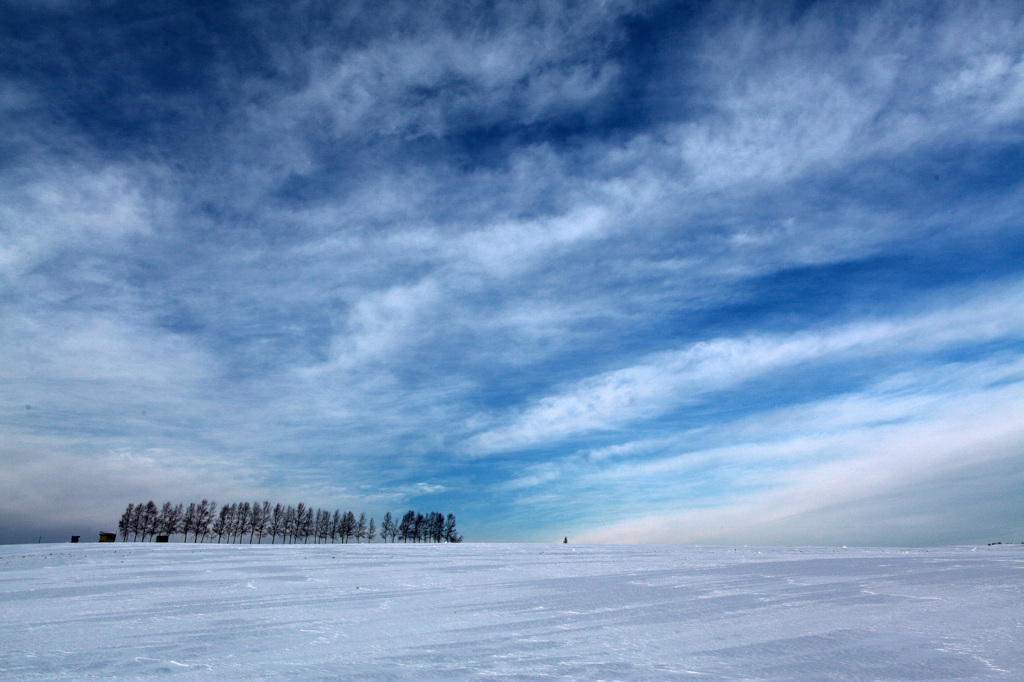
x: 335, y: 525
x: 240, y: 524
x: 255, y: 519
x: 135, y: 520
x: 418, y: 526
x: 222, y: 526
x: 434, y: 526
x: 300, y: 519
x: 406, y: 529
x: 290, y: 523
x: 204, y: 517
x: 125, y: 524
x: 188, y: 521
x: 348, y: 526
x: 245, y: 522
x: 276, y: 522
x: 232, y: 526
x: 371, y: 531
x: 322, y: 524
x: 170, y: 519
x: 150, y: 520
x: 360, y: 530
x: 307, y: 525
x: 450, y: 534
x: 387, y: 527
x: 259, y: 527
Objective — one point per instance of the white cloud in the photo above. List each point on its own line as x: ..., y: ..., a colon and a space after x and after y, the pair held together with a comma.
x: 812, y: 476
x: 510, y: 248
x: 380, y: 324
x: 833, y: 89
x: 68, y: 208
x: 922, y: 457
x: 445, y: 76
x: 667, y: 380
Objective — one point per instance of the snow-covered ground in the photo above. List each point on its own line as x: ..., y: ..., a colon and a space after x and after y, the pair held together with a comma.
x: 471, y: 611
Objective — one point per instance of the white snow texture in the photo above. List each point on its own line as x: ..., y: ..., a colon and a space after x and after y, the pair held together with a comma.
x: 509, y: 612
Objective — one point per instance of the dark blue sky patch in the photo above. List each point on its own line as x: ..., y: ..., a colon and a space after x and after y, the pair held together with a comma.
x: 791, y: 299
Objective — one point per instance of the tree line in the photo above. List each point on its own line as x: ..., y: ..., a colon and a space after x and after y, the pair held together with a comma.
x: 243, y: 521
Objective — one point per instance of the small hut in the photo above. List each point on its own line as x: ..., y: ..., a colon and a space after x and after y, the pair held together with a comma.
x: 74, y: 538
x: 163, y: 538
x: 108, y: 537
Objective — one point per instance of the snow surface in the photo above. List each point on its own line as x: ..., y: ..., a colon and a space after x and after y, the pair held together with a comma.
x: 471, y: 611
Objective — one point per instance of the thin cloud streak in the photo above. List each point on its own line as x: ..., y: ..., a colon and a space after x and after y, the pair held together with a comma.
x: 850, y: 453
x: 670, y: 379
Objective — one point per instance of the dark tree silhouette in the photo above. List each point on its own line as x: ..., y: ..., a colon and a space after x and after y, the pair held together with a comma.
x: 335, y: 525
x: 189, y: 520
x: 300, y: 519
x: 125, y: 524
x: 222, y: 526
x: 150, y: 520
x: 387, y: 528
x: 348, y: 525
x: 450, y: 534
x: 418, y: 527
x: 323, y: 525
x: 289, y: 524
x: 360, y: 530
x: 259, y: 520
x: 307, y: 525
x: 406, y: 529
x: 170, y: 519
x: 204, y: 517
x: 435, y: 526
x: 276, y: 520
x: 135, y: 520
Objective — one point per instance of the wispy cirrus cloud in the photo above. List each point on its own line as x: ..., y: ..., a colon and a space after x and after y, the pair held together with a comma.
x: 689, y: 375
x: 847, y: 483
x: 833, y: 470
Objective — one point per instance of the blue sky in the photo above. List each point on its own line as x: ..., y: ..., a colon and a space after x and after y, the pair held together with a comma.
x: 702, y: 272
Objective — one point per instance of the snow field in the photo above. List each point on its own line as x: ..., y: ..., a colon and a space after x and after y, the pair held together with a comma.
x: 509, y: 612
